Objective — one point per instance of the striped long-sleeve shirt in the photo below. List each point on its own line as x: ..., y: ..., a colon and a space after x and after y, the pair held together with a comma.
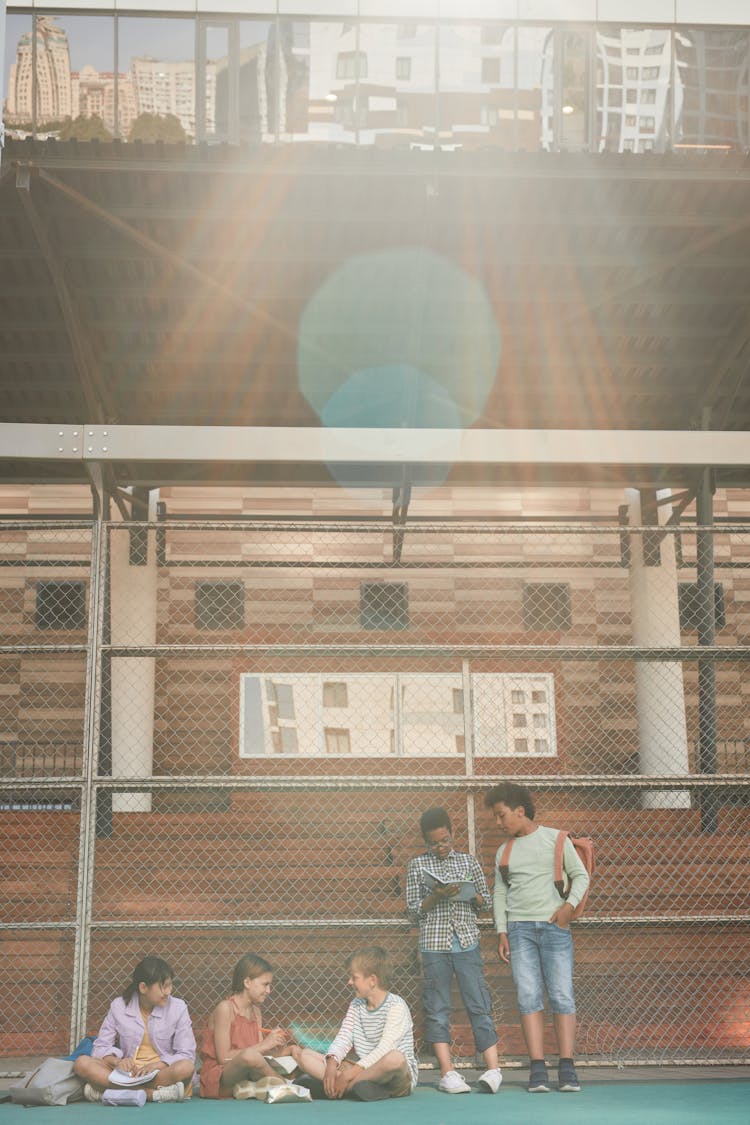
x: 373, y: 1033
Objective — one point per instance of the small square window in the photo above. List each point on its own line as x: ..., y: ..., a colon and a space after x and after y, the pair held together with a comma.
x: 491, y: 70
x: 219, y: 605
x: 335, y: 695
x: 60, y: 605
x: 541, y: 746
x: 517, y: 696
x: 546, y: 606
x: 690, y: 609
x: 403, y: 69
x: 288, y: 736
x: 281, y: 697
x: 520, y: 745
x: 519, y: 721
x: 539, y: 697
x: 384, y: 605
x: 338, y: 740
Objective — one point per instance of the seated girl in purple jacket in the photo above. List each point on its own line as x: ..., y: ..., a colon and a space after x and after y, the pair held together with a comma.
x: 145, y: 1029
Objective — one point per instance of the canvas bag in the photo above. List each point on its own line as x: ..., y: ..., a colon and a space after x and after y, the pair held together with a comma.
x: 52, y: 1083
x: 584, y: 847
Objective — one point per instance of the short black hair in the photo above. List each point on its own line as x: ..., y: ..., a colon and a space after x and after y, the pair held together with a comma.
x: 149, y: 970
x: 513, y: 796
x: 436, y: 817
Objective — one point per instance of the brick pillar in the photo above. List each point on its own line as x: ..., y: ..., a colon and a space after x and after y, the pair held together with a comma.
x: 660, y: 692
x: 133, y: 616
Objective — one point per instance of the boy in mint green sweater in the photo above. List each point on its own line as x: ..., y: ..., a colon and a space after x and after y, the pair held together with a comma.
x: 533, y: 927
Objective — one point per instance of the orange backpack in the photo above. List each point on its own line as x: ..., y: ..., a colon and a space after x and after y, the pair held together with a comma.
x: 584, y: 847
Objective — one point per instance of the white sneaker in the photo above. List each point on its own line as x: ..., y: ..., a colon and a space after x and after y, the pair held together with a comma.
x: 92, y: 1093
x: 490, y: 1081
x: 453, y: 1083
x: 173, y: 1093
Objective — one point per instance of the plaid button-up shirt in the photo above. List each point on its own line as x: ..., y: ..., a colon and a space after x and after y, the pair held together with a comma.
x: 437, y: 926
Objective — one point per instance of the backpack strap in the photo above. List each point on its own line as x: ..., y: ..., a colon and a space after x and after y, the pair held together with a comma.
x: 562, y: 836
x: 504, y: 862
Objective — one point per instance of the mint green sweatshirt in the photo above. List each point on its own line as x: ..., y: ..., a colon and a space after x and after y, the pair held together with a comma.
x: 532, y: 896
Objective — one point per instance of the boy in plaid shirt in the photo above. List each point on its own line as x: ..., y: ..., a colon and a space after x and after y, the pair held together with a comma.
x: 449, y: 943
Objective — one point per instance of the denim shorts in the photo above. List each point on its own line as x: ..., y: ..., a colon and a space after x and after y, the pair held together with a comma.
x: 541, y: 956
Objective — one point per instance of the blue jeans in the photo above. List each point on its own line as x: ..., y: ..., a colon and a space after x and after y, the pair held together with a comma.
x: 541, y: 956
x: 438, y: 973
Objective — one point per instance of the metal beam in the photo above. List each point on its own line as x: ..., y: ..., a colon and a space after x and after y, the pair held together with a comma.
x: 289, y: 444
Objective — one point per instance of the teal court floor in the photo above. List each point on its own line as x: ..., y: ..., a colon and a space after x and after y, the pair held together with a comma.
x: 621, y: 1100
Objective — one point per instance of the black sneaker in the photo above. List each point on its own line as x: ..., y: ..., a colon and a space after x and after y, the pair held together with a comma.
x: 538, y: 1079
x: 567, y: 1079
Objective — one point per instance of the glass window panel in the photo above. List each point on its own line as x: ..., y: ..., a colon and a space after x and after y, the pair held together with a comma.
x: 17, y: 95
x: 286, y: 714
x: 644, y: 81
x: 74, y: 91
x: 535, y: 87
x: 397, y: 107
x: 217, y: 76
x: 314, y: 103
x: 501, y: 719
x: 258, y: 87
x: 476, y: 78
x: 574, y: 117
x: 429, y: 719
x: 712, y: 89
x: 157, y: 79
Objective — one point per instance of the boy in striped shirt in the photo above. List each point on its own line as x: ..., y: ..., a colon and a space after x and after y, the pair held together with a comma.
x: 378, y: 1028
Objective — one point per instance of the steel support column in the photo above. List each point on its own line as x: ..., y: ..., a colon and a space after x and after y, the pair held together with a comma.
x: 706, y: 636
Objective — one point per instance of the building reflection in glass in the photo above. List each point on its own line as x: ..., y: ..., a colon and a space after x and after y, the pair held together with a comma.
x: 477, y: 86
x: 407, y: 85
x: 712, y: 89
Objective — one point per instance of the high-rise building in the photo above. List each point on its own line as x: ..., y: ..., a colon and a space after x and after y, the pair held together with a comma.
x: 51, y: 98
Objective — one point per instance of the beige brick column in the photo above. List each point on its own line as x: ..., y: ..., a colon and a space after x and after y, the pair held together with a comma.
x: 133, y: 622
x: 660, y: 692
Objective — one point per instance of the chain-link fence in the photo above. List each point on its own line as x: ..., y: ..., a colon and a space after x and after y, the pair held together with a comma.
x: 219, y: 737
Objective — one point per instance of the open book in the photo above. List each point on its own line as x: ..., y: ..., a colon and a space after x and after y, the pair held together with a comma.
x: 282, y: 1064
x: 466, y: 889
x: 120, y: 1078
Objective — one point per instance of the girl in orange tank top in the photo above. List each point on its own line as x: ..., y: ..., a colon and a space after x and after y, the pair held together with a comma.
x: 233, y: 1044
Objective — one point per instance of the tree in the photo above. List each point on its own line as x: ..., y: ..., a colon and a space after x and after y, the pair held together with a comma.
x: 84, y: 129
x: 157, y: 127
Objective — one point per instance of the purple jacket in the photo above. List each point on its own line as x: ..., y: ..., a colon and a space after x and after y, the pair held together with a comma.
x: 169, y: 1029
